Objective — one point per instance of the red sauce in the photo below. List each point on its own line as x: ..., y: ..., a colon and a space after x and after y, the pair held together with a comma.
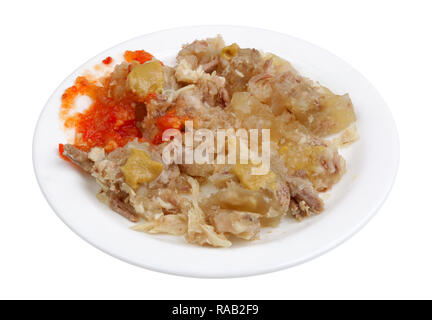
x: 139, y: 55
x: 107, y: 60
x: 106, y: 123
x: 168, y: 121
x: 150, y: 96
x: 61, y: 150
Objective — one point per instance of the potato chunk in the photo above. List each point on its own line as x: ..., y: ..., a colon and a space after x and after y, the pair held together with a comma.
x: 140, y: 168
x: 235, y: 197
x: 253, y: 182
x: 146, y: 78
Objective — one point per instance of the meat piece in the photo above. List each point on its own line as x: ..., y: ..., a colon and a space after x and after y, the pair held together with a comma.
x: 197, y: 170
x: 310, y: 157
x: 223, y: 98
x: 304, y: 208
x: 117, y: 204
x: 302, y: 190
x: 283, y: 196
x: 315, y: 106
x: 96, y: 154
x: 202, y: 52
x: 244, y: 225
x: 260, y: 87
x: 208, y: 90
x: 119, y: 156
x: 108, y: 175
x: 199, y: 231
x: 175, y: 224
x: 294, y: 209
x: 186, y: 73
x: 336, y: 112
x: 78, y: 157
x: 299, y: 210
x: 333, y: 168
x: 171, y: 202
x: 238, y: 71
x: 194, y: 53
x: 211, y: 65
x: 170, y: 82
x: 333, y: 162
x: 282, y: 87
x: 169, y: 174
x: 295, y: 92
x: 347, y: 137
x: 212, y: 88
x: 155, y: 108
x: 188, y: 103
x: 222, y: 176
x: 117, y: 86
x: 158, y: 106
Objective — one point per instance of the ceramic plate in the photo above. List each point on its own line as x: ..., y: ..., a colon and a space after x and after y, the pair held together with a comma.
x: 371, y: 168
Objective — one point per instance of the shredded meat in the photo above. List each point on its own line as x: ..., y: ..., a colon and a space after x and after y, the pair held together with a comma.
x: 283, y: 197
x: 244, y: 225
x: 202, y: 52
x: 211, y: 65
x: 78, y: 157
x: 223, y: 97
x: 118, y: 205
x: 199, y: 231
x: 197, y: 170
x: 117, y: 88
x: 302, y: 190
x: 175, y: 224
x: 240, y: 69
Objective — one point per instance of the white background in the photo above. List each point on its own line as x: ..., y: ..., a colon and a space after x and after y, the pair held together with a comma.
x: 44, y: 41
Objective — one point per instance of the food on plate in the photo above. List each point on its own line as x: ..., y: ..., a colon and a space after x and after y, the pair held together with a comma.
x: 120, y: 140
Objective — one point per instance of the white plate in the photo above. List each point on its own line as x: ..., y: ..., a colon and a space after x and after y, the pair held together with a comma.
x: 371, y: 169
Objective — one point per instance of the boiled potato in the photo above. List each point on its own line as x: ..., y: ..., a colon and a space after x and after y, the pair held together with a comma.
x: 146, y: 78
x: 140, y: 168
x: 253, y: 182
